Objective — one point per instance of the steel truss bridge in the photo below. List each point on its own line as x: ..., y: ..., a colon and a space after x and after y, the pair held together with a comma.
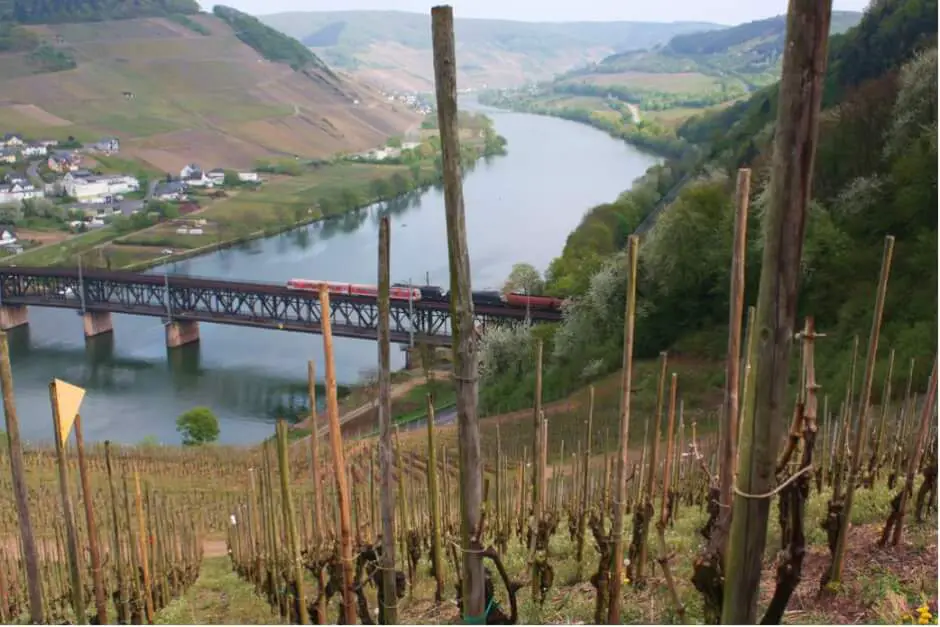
x: 268, y: 306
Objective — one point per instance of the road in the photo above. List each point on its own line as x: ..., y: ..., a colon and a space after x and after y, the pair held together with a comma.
x: 32, y: 173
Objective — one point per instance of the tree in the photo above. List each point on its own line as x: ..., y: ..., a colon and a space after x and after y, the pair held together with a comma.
x: 231, y: 178
x: 524, y: 278
x: 198, y: 426
x: 394, y: 142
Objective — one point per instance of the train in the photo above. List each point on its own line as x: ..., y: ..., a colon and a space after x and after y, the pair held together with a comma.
x: 429, y: 293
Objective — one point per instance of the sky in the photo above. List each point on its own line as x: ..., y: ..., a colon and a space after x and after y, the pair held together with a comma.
x: 718, y: 11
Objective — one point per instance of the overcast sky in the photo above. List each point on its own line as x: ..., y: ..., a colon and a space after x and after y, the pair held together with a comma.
x: 720, y: 11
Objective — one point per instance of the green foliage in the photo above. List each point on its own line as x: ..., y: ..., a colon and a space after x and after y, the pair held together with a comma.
x: 269, y: 43
x: 875, y: 174
x: 198, y: 426
x: 185, y: 20
x: 49, y: 59
x: 15, y: 38
x: 524, y: 278
x: 58, y: 11
x: 290, y: 167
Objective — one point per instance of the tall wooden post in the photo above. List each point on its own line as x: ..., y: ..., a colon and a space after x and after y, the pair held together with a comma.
x: 801, y: 84
x: 318, y: 533
x: 389, y: 598
x: 437, y: 553
x: 21, y: 494
x: 461, y: 309
x: 101, y: 603
x: 616, y: 578
x: 287, y: 503
x: 339, y: 460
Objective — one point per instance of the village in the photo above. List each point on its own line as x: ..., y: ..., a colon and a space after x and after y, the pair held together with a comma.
x: 46, y: 184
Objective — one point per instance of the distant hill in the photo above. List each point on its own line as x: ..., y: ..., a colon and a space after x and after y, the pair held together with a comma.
x: 731, y: 60
x: 393, y: 48
x: 189, y: 88
x: 61, y: 11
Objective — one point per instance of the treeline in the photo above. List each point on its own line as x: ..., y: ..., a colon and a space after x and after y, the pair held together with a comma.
x: 61, y: 11
x: 875, y: 174
x: 271, y: 44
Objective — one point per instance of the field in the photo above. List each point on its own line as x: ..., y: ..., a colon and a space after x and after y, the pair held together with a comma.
x: 195, y: 581
x: 677, y: 82
x: 175, y: 97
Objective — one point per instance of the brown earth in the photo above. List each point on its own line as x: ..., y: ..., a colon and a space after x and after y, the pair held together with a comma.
x: 204, y: 99
x: 41, y: 237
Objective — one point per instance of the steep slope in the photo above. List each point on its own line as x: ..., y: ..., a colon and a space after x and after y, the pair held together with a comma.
x: 393, y: 48
x: 187, y: 89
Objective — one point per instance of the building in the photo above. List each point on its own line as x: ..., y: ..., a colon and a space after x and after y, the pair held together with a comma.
x: 34, y: 150
x: 169, y: 190
x: 63, y: 161
x: 108, y: 144
x: 191, y: 171
x: 15, y: 193
x: 98, y: 188
x: 12, y: 140
x: 248, y: 177
x: 216, y: 176
x: 8, y: 155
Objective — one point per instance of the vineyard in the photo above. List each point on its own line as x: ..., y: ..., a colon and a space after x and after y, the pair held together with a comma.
x: 673, y: 491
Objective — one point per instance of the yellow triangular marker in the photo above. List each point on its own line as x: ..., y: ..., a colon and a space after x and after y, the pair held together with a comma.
x: 68, y: 399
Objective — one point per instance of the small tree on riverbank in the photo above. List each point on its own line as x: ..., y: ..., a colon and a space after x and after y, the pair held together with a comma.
x: 198, y: 426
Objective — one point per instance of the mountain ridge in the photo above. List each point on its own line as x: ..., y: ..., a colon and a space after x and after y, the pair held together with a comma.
x: 392, y: 48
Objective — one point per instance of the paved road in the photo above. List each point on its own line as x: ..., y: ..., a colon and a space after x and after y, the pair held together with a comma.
x: 32, y: 173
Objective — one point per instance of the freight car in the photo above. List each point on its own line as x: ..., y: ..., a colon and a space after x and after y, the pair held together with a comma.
x: 354, y: 289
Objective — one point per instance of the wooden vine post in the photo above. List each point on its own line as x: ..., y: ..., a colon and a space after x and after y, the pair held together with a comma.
x: 339, y: 462
x: 287, y: 503
x: 801, y: 86
x: 20, y: 491
x: 616, y: 579
x: 582, y: 508
x: 389, y: 598
x: 461, y: 310
x: 101, y: 603
x: 437, y: 553
x: 834, y: 577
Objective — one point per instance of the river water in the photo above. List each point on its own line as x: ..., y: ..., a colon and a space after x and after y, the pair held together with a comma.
x: 519, y: 207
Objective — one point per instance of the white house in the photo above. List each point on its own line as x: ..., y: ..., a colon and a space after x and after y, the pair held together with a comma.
x: 34, y: 150
x: 18, y: 192
x: 98, y: 188
x: 191, y: 171
x: 7, y: 238
x: 216, y: 176
x: 12, y: 140
x: 248, y: 177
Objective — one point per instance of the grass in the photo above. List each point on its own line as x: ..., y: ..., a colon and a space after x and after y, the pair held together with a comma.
x: 218, y: 597
x: 679, y: 82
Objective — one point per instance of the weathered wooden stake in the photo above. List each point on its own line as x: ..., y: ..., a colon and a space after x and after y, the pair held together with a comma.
x: 801, y: 86
x: 101, y: 603
x: 339, y: 461
x: 616, y: 579
x: 461, y: 309
x: 389, y: 598
x: 21, y: 494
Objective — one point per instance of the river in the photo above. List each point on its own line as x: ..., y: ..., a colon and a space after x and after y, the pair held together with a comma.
x: 519, y: 207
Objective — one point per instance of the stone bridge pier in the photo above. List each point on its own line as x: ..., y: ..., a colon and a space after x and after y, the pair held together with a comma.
x: 12, y: 316
x: 97, y: 323
x: 181, y: 332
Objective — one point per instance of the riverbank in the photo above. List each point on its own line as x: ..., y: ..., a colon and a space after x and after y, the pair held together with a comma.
x: 652, y: 131
x: 294, y: 195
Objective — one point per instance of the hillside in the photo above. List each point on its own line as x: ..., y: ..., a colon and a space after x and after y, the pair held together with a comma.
x: 876, y: 174
x: 186, y: 89
x: 690, y: 70
x: 393, y: 48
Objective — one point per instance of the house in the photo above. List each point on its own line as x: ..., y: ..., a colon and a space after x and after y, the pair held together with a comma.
x: 12, y: 140
x: 48, y: 143
x: 108, y: 144
x: 17, y: 192
x: 7, y: 237
x: 216, y: 176
x: 8, y: 155
x: 248, y: 177
x: 63, y: 161
x: 191, y: 171
x: 34, y: 150
x: 169, y: 190
x: 98, y: 188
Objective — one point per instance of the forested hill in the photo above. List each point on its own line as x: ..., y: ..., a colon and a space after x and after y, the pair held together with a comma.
x: 66, y: 11
x: 875, y: 174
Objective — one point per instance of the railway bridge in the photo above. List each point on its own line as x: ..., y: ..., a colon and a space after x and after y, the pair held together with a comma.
x: 182, y: 302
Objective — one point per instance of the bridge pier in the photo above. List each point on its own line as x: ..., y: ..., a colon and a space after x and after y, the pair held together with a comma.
x: 181, y: 332
x: 97, y: 323
x: 12, y: 316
